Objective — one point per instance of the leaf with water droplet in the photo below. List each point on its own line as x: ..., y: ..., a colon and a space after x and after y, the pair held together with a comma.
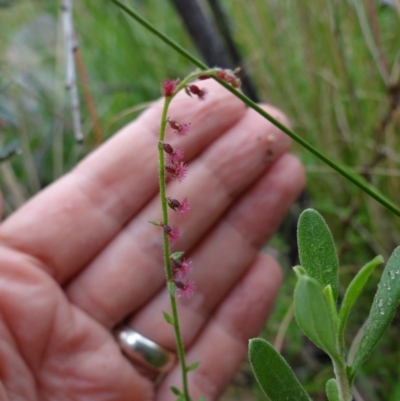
x: 317, y: 250
x: 379, y: 318
x: 354, y: 289
x: 273, y: 374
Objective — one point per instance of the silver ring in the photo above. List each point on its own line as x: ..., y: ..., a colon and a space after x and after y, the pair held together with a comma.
x: 140, y: 349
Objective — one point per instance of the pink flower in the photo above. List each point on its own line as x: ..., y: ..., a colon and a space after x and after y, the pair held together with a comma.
x: 179, y: 207
x: 174, y: 156
x: 169, y: 86
x: 181, y: 268
x: 180, y: 129
x: 177, y: 171
x: 184, y: 289
x: 195, y: 90
x: 173, y: 233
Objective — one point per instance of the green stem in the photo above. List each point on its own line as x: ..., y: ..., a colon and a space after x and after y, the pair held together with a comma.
x: 167, y: 252
x: 166, y: 248
x: 345, y: 393
x: 352, y: 177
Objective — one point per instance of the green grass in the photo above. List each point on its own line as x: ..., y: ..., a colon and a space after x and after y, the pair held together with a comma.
x: 322, y: 62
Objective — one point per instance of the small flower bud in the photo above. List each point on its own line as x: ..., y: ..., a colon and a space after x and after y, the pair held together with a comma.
x: 180, y: 129
x: 179, y: 207
x: 167, y: 148
x: 229, y: 77
x: 169, y: 86
x: 176, y: 171
x: 184, y: 289
x: 195, y: 90
x: 173, y: 233
x: 181, y: 268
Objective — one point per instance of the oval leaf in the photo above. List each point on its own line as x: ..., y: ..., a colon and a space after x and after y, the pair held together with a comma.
x: 313, y: 315
x: 354, y: 289
x: 193, y: 366
x: 168, y: 318
x: 273, y: 374
x: 317, y: 249
x: 332, y: 390
x: 382, y: 310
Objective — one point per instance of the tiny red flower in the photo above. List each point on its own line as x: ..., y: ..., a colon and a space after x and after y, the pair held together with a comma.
x: 180, y: 129
x: 229, y: 77
x: 167, y: 148
x: 176, y: 156
x: 169, y: 86
x: 179, y: 207
x: 173, y: 233
x: 184, y: 289
x: 176, y: 171
x: 195, y: 90
x: 181, y: 268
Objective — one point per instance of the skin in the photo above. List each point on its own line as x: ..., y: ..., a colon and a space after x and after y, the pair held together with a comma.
x: 80, y: 257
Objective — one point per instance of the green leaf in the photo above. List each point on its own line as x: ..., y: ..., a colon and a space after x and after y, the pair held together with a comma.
x: 155, y: 223
x: 175, y: 390
x: 273, y: 374
x: 332, y: 390
x: 177, y: 255
x: 317, y: 250
x: 193, y: 366
x: 300, y: 271
x: 171, y: 288
x: 382, y: 310
x: 354, y: 289
x: 168, y: 318
x: 331, y: 303
x: 313, y: 315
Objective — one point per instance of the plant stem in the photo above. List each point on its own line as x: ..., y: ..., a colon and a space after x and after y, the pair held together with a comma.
x: 345, y: 393
x: 167, y: 252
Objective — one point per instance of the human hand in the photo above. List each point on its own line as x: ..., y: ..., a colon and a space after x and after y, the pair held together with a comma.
x: 81, y: 257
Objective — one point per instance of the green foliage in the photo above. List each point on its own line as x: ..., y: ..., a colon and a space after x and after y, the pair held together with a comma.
x: 382, y: 310
x: 273, y: 374
x: 354, y: 289
x: 193, y: 366
x: 317, y: 250
x: 168, y: 318
x: 332, y: 390
x: 175, y: 390
x: 313, y: 315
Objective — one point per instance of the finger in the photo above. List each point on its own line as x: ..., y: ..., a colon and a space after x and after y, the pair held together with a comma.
x: 66, y: 225
x: 132, y: 263
x: 222, y: 345
x: 219, y: 262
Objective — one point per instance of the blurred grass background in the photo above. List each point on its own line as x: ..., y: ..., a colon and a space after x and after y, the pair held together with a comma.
x: 332, y: 65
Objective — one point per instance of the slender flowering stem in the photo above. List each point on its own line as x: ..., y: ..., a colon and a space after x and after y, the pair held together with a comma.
x: 167, y: 252
x: 166, y: 239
